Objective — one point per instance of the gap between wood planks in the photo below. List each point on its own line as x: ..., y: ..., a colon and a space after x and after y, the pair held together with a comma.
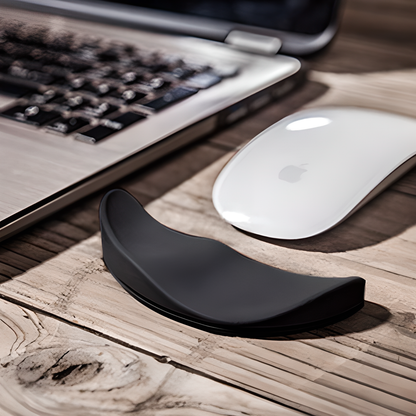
x: 340, y: 89
x: 189, y: 209
x: 54, y: 368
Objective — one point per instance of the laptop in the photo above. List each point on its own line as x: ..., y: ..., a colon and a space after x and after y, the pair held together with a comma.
x: 91, y: 91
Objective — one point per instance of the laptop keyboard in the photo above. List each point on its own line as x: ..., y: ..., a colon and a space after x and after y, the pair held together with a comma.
x: 91, y: 87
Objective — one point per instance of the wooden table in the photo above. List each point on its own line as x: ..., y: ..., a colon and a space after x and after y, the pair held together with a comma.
x: 74, y: 343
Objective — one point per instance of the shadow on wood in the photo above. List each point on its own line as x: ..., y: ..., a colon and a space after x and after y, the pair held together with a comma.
x: 370, y: 316
x: 388, y: 215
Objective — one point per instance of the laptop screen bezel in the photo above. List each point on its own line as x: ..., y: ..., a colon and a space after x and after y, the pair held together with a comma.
x: 169, y: 22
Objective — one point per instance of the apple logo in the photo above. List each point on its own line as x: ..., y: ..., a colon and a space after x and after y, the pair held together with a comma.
x: 292, y: 173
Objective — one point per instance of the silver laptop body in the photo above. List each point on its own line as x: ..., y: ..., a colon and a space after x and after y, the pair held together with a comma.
x: 42, y: 171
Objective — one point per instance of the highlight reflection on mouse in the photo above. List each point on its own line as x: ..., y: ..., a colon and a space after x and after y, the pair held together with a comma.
x: 312, y: 170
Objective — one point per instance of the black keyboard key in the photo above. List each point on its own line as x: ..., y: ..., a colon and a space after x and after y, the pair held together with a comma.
x: 204, y: 80
x: 35, y: 76
x: 5, y: 63
x: 15, y: 50
x: 30, y: 65
x: 100, y: 90
x: 68, y: 125
x: 18, y: 72
x: 171, y: 97
x: 41, y: 77
x: 30, y: 114
x: 128, y: 119
x: 71, y: 103
x: 158, y: 82
x: 44, y: 56
x: 128, y: 96
x: 46, y: 97
x: 85, y: 53
x: 78, y: 66
x: 76, y: 83
x: 76, y: 102
x: 14, y: 89
x: 130, y: 78
x: 182, y: 72
x: 74, y: 64
x: 73, y: 84
x: 99, y: 110
x: 155, y: 67
x: 111, y: 54
x: 109, y: 127
x: 102, y: 72
x: 56, y: 71
x: 95, y: 134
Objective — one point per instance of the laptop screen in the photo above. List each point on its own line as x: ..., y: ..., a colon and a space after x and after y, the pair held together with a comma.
x: 301, y: 16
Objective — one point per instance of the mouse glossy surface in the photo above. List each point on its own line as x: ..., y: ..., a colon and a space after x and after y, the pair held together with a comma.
x: 309, y: 171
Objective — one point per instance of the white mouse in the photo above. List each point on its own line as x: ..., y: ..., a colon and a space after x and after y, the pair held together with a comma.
x: 313, y: 169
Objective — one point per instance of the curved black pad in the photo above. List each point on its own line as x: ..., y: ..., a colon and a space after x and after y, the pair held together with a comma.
x: 208, y: 285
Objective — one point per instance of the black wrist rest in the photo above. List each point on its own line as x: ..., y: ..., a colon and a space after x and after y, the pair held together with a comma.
x: 208, y: 285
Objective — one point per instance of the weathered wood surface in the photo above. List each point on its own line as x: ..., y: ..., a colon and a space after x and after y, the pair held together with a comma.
x: 363, y: 46
x: 51, y: 368
x: 363, y: 365
x: 385, y: 19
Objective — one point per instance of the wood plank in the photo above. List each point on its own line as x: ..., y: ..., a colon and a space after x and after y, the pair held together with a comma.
x: 82, y: 217
x: 365, y: 364
x: 54, y: 238
x: 388, y: 215
x: 352, y: 53
x: 47, y: 244
x: 381, y: 18
x: 356, y: 398
x: 76, y: 287
x: 313, y: 360
x: 407, y: 184
x: 27, y: 250
x: 7, y: 272
x: 360, y: 353
x: 64, y: 229
x: 167, y: 338
x: 16, y: 260
x: 392, y: 91
x: 172, y: 170
x: 49, y: 367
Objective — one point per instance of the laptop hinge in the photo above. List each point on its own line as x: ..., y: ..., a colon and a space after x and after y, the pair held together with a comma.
x: 264, y: 45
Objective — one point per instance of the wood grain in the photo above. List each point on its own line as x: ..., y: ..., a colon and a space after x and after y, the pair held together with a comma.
x: 51, y: 368
x: 363, y: 365
x: 392, y: 91
x: 381, y: 18
x: 353, y: 51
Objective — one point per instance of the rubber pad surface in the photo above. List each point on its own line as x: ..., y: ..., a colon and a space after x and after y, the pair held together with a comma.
x: 206, y: 284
